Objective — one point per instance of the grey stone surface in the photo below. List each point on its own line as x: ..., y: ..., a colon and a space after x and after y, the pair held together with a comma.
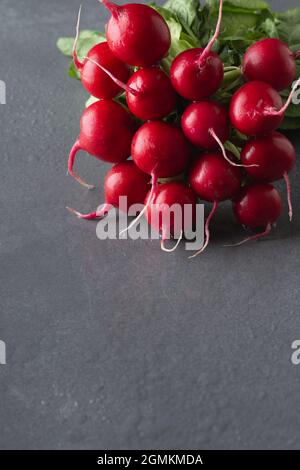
x: 116, y: 344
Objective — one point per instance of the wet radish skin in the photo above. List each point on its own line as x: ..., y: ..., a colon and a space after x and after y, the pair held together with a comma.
x: 137, y: 34
x: 126, y: 179
x: 213, y: 178
x: 194, y: 80
x: 165, y: 196
x: 156, y: 97
x: 160, y: 148
x: 199, y: 118
x: 273, y: 154
x: 248, y: 105
x: 107, y: 142
x: 96, y: 81
x: 258, y: 205
x: 270, y: 60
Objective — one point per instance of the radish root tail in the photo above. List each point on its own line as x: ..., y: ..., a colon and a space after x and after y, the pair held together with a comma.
x: 219, y: 142
x: 170, y: 250
x: 92, y: 215
x: 76, y: 147
x: 77, y: 62
x: 118, y: 82
x: 209, y: 46
x: 289, y: 195
x: 263, y: 234
x: 151, y: 195
x: 280, y: 112
x: 207, y: 231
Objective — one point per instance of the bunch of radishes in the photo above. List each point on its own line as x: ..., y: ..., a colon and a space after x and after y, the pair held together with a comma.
x: 138, y: 38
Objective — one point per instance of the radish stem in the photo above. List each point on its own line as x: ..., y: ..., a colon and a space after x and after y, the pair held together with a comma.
x: 112, y: 7
x: 209, y: 46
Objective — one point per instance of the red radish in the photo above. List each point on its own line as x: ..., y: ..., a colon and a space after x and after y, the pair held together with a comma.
x: 123, y: 179
x: 155, y: 97
x: 258, y: 206
x: 270, y: 60
x: 194, y: 80
x: 161, y: 149
x: 214, y: 180
x: 160, y: 203
x: 248, y: 106
x: 149, y: 92
x: 95, y: 80
x: 274, y: 156
x: 137, y: 34
x: 200, y: 118
x: 198, y: 73
x: 106, y: 131
x: 206, y: 125
x: 256, y: 108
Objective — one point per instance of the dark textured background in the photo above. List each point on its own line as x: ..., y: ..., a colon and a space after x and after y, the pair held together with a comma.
x: 116, y: 344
